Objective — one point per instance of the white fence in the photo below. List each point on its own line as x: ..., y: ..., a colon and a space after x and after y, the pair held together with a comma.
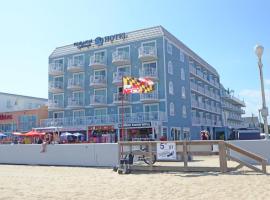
x: 101, y: 155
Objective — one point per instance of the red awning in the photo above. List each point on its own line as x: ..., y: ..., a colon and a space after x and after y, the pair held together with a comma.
x: 33, y: 134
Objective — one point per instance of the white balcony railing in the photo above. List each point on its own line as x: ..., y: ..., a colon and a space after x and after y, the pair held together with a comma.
x: 98, y: 61
x: 149, y: 97
x: 56, y: 69
x: 119, y: 97
x: 74, y: 84
x: 56, y: 86
x: 75, y: 65
x: 98, y: 100
x: 98, y: 81
x: 118, y: 77
x: 149, y: 72
x: 120, y: 58
x: 55, y: 105
x: 105, y: 119
x: 147, y: 53
x: 75, y: 102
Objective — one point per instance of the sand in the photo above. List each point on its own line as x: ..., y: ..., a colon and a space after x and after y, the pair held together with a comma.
x: 50, y: 182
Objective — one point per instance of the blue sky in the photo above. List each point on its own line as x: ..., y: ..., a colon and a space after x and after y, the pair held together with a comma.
x: 222, y: 32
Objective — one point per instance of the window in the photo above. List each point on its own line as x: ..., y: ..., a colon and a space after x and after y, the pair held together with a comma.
x: 171, y: 87
x: 169, y: 48
x: 57, y: 115
x: 184, y: 111
x: 78, y: 60
x: 149, y: 69
x: 170, y: 67
x: 58, y: 100
x: 100, y: 112
x: 151, y: 112
x: 123, y: 51
x: 183, y: 92
x: 172, y: 109
x: 78, y: 113
x: 182, y: 74
x: 182, y: 56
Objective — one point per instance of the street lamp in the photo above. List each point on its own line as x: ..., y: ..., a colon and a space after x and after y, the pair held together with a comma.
x: 264, y: 111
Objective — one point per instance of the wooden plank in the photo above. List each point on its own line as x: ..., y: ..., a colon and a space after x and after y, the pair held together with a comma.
x: 150, y: 155
x: 245, y: 152
x: 203, y: 153
x: 176, y: 169
x: 245, y: 164
x: 222, y: 157
x: 264, y: 163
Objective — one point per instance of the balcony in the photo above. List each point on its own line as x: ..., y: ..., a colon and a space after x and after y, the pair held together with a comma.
x: 98, y: 81
x: 105, y: 119
x: 98, y: 62
x: 147, y: 53
x: 75, y: 66
x: 75, y: 103
x: 56, y: 69
x: 75, y: 84
x: 119, y: 98
x: 148, y: 72
x: 56, y: 86
x: 55, y: 105
x: 149, y: 97
x: 120, y: 58
x: 98, y: 100
x: 118, y: 77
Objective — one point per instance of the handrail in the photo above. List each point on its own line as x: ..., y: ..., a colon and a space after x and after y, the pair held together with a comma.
x: 245, y: 152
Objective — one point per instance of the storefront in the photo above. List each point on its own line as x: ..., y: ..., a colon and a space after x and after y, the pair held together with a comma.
x: 139, y: 131
x: 102, y: 134
x: 22, y: 121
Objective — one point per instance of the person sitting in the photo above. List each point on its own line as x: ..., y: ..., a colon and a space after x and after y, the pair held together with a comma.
x: 204, y: 135
x: 40, y: 141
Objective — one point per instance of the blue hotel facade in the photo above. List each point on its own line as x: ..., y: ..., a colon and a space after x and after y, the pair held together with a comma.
x: 85, y: 88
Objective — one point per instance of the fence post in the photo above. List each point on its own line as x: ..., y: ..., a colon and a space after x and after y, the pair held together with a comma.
x: 222, y: 157
x: 185, y: 155
x: 150, y: 155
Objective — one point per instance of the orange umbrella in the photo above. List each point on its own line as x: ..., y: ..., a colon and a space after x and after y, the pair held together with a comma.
x: 33, y: 134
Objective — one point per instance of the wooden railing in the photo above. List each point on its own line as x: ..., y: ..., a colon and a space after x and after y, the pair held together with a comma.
x: 187, y: 149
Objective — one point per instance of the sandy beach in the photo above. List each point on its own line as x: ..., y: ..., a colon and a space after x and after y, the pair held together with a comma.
x: 52, y: 182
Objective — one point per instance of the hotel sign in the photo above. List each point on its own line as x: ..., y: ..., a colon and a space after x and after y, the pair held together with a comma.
x: 5, y: 117
x: 135, y: 125
x: 100, y: 40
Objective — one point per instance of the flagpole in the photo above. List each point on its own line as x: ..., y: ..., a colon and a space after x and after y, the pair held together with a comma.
x: 122, y: 98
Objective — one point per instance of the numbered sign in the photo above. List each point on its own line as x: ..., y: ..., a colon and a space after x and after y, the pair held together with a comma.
x: 166, y: 151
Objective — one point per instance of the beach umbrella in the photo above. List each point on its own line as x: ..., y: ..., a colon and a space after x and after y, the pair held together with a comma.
x: 2, y: 135
x: 65, y: 134
x: 34, y: 134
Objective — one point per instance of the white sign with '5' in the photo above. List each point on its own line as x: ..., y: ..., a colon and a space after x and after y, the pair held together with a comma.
x: 166, y: 151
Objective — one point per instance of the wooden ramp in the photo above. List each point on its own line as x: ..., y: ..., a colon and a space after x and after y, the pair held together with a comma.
x: 248, y: 154
x: 189, y: 148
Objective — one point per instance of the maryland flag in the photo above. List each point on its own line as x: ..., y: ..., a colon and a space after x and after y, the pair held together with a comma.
x: 137, y: 85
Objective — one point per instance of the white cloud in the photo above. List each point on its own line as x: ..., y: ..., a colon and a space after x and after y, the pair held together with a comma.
x: 253, y: 100
x: 267, y: 82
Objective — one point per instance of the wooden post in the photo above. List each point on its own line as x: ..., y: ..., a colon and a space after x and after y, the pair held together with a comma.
x: 150, y: 155
x: 185, y: 155
x: 222, y: 157
x: 119, y: 153
x: 264, y: 162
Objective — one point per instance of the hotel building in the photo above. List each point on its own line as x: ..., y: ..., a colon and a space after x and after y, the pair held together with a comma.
x: 85, y: 88
x: 20, y: 113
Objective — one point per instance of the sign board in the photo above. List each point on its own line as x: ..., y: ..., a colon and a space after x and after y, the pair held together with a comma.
x: 135, y: 125
x: 5, y: 117
x: 100, y: 40
x: 166, y: 151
